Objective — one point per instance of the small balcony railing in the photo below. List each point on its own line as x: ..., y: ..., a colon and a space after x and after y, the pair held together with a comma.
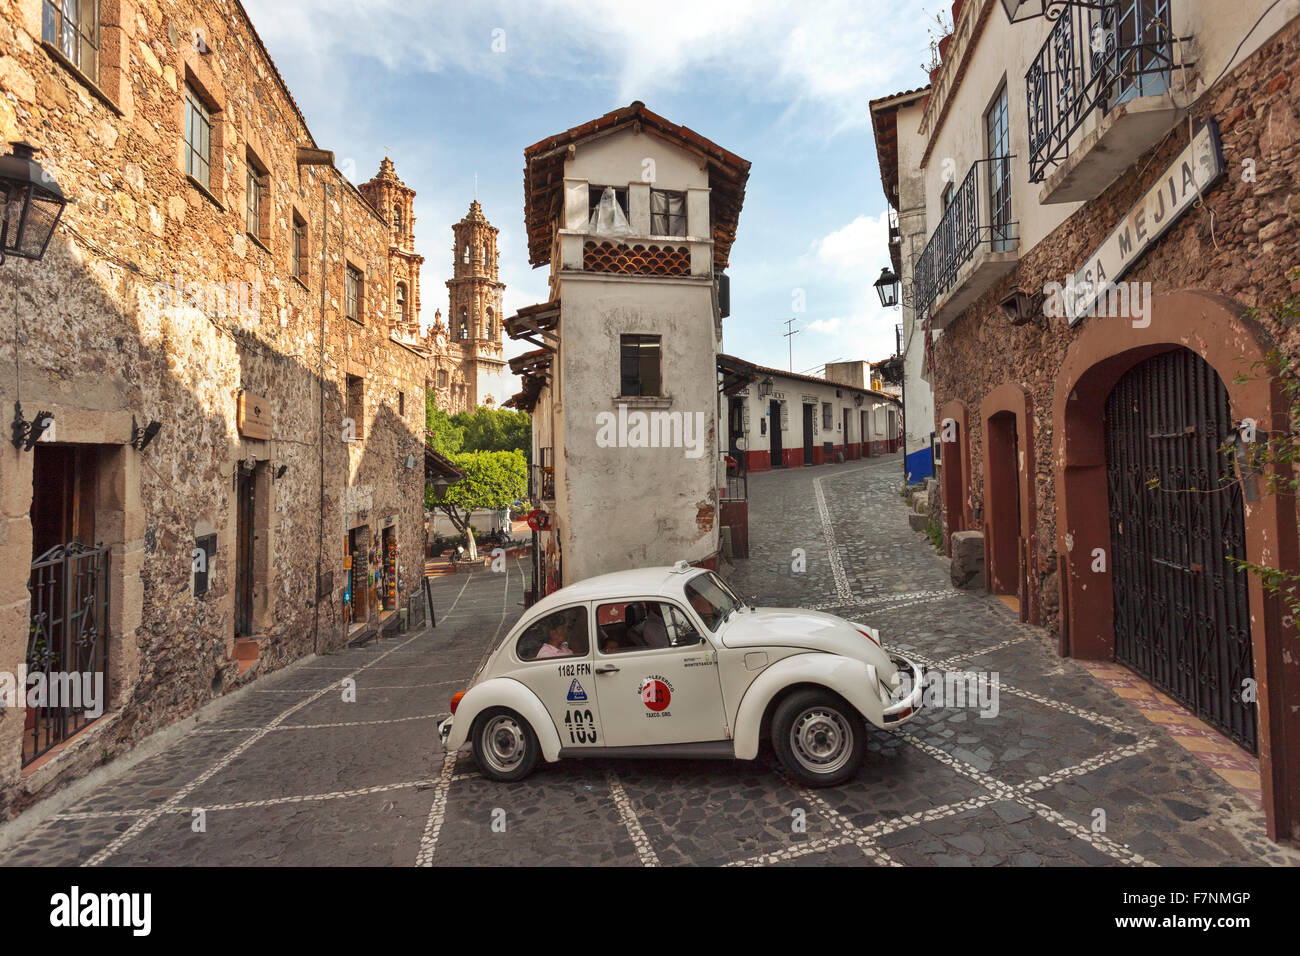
x: 978, y: 215
x: 1095, y: 58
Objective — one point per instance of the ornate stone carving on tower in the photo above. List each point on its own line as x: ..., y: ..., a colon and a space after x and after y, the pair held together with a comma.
x: 395, y: 201
x: 474, y: 321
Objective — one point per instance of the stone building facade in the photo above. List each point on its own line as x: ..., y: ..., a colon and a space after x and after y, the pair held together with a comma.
x: 234, y: 470
x: 1085, y: 440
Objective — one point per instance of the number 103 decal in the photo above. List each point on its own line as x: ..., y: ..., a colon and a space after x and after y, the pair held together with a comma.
x: 581, y: 725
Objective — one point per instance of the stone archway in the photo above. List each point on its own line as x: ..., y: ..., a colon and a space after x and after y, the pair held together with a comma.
x: 1214, y: 328
x: 1010, y: 516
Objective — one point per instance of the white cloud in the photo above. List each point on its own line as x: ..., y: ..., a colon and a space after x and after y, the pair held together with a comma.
x: 829, y: 57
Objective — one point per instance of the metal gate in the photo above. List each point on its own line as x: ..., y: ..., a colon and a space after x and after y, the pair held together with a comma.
x: 1182, y: 612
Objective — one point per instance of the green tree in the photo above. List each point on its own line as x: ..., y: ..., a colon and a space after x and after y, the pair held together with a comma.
x: 443, y: 435
x: 496, y: 429
x: 493, y: 479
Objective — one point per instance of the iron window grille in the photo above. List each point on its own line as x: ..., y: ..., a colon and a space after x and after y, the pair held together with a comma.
x: 640, y: 365
x: 198, y: 138
x: 667, y: 213
x: 1094, y: 58
x: 67, y: 634
x: 72, y: 27
x: 965, y: 225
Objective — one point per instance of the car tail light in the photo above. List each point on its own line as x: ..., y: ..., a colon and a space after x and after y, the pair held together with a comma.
x: 455, y: 700
x: 868, y: 637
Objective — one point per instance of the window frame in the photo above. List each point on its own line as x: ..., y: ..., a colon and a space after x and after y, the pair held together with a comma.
x: 997, y: 149
x: 667, y: 218
x: 641, y: 341
x: 672, y: 606
x: 586, y: 612
x: 355, y: 404
x: 65, y: 28
x: 354, y: 293
x: 594, y: 192
x: 196, y: 107
x: 299, y: 247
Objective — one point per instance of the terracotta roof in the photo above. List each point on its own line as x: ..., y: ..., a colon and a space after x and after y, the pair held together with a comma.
x: 544, y: 177
x: 731, y: 365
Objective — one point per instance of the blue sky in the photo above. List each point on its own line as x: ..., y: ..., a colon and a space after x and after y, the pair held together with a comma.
x: 451, y: 90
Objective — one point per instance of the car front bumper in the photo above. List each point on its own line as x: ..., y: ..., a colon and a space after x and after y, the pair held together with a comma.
x: 913, y: 677
x: 444, y: 730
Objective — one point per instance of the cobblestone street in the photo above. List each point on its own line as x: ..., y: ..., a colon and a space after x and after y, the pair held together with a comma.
x: 291, y: 774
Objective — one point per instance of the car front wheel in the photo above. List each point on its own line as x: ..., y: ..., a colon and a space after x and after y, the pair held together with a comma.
x: 505, y: 747
x: 819, y: 737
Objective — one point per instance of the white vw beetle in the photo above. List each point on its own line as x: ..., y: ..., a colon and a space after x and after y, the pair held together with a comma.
x: 668, y: 662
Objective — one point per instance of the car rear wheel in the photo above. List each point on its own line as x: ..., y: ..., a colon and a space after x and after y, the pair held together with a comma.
x: 505, y: 747
x: 819, y: 737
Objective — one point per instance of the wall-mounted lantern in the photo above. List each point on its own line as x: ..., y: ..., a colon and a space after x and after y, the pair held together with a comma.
x: 1018, y: 11
x: 765, y: 387
x: 887, y: 288
x: 31, y: 204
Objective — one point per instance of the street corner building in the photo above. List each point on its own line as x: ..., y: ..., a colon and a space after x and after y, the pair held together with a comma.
x: 1090, y: 239
x: 636, y: 217
x: 216, y: 378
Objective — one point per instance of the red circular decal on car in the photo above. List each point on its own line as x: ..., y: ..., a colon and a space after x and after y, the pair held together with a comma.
x: 655, y: 694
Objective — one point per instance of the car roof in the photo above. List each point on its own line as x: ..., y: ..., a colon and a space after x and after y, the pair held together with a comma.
x: 635, y: 582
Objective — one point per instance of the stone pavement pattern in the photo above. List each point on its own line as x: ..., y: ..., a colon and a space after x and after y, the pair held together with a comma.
x: 291, y: 774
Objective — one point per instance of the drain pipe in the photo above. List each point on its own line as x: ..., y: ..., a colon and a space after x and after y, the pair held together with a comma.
x: 320, y: 157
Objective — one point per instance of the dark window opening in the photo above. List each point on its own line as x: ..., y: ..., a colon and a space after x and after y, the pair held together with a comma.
x: 640, y: 365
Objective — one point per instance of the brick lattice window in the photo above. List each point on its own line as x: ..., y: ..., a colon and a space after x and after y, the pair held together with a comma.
x: 637, y: 260
x: 72, y: 26
x: 198, y: 137
x: 640, y: 365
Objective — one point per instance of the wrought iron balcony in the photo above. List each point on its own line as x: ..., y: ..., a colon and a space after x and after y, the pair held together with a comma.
x: 978, y: 217
x: 1096, y: 57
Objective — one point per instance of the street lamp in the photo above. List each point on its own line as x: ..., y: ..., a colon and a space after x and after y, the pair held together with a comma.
x: 765, y: 387
x: 31, y: 203
x: 887, y: 288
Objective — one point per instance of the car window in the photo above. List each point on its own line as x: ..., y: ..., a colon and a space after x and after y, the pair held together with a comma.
x: 642, y: 626
x: 710, y: 599
x: 560, y: 634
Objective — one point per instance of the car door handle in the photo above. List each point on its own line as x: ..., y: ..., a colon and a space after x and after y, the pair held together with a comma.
x: 607, y: 669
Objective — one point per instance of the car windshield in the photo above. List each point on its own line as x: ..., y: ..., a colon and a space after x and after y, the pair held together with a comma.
x: 713, y: 601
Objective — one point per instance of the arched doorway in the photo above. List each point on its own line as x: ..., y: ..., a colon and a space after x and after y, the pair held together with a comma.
x: 1181, y: 609
x: 1237, y: 348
